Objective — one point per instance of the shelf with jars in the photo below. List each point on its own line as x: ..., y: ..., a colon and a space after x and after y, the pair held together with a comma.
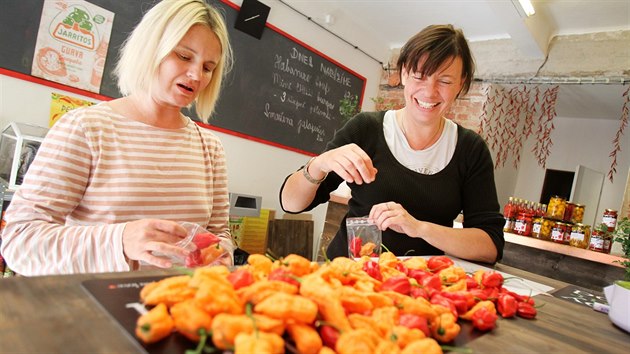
x: 559, y: 221
x: 557, y: 227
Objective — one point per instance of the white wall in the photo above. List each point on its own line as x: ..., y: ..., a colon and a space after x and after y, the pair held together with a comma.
x: 576, y: 141
x: 253, y: 168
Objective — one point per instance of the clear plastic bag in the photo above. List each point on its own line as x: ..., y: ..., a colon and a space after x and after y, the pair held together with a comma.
x: 364, y: 237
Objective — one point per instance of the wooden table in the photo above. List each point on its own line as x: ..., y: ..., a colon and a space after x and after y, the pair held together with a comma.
x: 54, y: 314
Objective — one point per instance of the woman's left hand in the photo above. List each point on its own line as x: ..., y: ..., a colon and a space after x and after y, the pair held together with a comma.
x: 391, y: 215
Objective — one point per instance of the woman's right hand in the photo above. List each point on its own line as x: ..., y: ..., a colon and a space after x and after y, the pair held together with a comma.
x: 143, y: 237
x: 349, y: 162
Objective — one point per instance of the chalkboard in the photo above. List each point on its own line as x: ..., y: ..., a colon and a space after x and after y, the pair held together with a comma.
x: 280, y: 91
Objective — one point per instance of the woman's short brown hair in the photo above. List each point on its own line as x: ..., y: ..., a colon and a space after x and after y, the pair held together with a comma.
x: 439, y: 44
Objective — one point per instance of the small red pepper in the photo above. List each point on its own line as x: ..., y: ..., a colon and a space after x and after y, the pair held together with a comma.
x: 526, y: 310
x: 492, y: 280
x: 355, y: 247
x: 471, y: 283
x: 432, y: 282
x: 438, y: 299
x: 329, y: 335
x: 373, y: 269
x: 418, y: 274
x: 401, y: 267
x: 507, y: 305
x: 437, y: 263
x: 483, y: 319
x: 399, y: 284
x: 418, y: 291
x: 284, y: 275
x: 463, y: 300
x: 241, y: 277
x: 414, y: 321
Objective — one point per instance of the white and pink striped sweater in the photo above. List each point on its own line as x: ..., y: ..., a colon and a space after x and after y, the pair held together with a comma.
x: 96, y: 171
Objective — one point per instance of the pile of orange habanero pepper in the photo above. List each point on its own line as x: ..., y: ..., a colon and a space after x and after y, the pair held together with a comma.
x: 384, y: 305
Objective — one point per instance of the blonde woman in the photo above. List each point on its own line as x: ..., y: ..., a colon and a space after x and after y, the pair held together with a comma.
x: 112, y: 182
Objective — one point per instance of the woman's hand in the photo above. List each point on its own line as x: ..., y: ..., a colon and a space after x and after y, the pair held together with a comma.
x: 393, y: 216
x: 350, y: 162
x: 143, y: 237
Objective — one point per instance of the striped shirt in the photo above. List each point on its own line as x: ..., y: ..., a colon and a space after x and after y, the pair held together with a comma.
x: 97, y: 170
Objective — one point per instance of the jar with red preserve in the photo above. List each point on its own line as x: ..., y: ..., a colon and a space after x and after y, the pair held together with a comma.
x: 559, y: 233
x: 524, y: 223
x: 568, y: 211
x: 597, y: 240
x: 610, y: 219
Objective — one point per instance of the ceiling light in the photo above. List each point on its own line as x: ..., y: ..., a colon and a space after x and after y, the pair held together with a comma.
x: 524, y: 7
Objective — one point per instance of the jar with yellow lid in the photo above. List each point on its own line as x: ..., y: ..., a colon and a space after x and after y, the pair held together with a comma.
x: 555, y: 208
x: 580, y: 236
x: 577, y: 216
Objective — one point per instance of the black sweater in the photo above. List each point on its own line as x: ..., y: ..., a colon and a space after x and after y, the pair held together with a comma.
x: 465, y: 184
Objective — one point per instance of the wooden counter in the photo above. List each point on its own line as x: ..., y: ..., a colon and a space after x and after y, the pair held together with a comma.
x: 54, y: 314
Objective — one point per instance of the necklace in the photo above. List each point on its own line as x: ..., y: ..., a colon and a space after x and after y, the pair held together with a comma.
x: 430, y: 141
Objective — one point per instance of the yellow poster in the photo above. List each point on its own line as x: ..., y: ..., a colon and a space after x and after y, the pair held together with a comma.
x: 72, y: 43
x: 62, y: 104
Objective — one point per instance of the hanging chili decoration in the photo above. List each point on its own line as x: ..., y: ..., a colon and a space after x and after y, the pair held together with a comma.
x: 617, y: 140
x: 510, y: 116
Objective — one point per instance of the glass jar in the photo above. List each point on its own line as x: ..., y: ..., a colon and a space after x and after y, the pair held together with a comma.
x: 558, y: 230
x: 536, y: 226
x: 545, y: 229
x: 568, y: 211
x: 580, y: 236
x: 610, y: 219
x: 577, y: 216
x: 523, y: 224
x: 509, y: 225
x: 555, y: 208
x: 597, y: 241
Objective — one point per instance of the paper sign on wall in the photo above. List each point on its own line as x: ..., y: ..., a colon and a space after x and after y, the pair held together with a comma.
x: 72, y: 43
x: 62, y: 104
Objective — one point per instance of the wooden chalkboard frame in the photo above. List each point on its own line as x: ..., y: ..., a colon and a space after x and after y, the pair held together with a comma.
x: 246, y: 123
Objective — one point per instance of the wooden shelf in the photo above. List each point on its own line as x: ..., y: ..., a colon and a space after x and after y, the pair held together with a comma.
x: 532, y: 242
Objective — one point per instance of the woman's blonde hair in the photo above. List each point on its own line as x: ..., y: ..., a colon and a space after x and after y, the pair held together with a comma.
x: 159, y: 31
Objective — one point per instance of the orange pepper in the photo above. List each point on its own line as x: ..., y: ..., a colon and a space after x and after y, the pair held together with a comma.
x: 425, y: 346
x: 486, y: 303
x: 444, y: 328
x: 306, y: 338
x: 154, y: 325
x: 189, y: 319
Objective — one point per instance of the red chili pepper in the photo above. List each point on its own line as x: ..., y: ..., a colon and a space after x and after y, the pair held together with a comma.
x: 194, y: 259
x: 507, y: 305
x: 399, y: 284
x: 414, y: 321
x: 438, y: 299
x: 284, y: 275
x: 526, y: 310
x: 463, y: 300
x: 373, y: 269
x: 478, y: 294
x: 417, y: 291
x: 491, y: 293
x: 205, y: 240
x: 241, y: 277
x: 516, y: 296
x: 471, y: 283
x: 355, y: 247
x: 329, y: 335
x: 437, y: 263
x: 484, y: 320
x: 401, y: 267
x: 418, y: 274
x: 433, y: 282
x: 492, y: 280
